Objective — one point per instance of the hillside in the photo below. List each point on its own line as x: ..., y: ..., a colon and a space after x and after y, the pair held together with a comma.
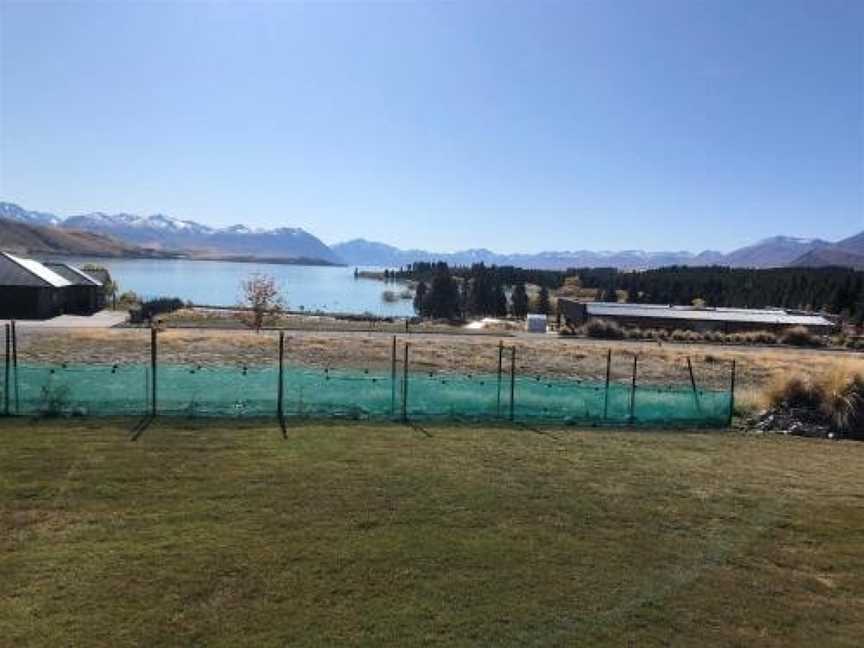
x: 161, y: 232
x: 830, y: 256
x: 295, y: 245
x: 25, y: 238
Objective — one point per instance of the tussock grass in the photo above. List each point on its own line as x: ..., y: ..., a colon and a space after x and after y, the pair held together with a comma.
x: 837, y: 392
x: 603, y: 330
x: 800, y: 336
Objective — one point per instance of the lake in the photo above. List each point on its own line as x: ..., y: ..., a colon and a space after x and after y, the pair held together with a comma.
x: 217, y: 283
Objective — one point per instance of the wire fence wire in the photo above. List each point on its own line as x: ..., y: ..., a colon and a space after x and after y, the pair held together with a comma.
x: 174, y: 381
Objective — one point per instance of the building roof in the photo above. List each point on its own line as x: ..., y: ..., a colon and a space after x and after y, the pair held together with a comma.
x: 18, y: 271
x: 742, y: 315
x: 99, y: 274
x: 73, y: 275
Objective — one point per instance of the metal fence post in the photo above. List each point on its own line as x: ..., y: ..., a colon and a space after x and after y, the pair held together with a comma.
x: 633, y: 391
x: 512, y: 383
x: 608, y: 376
x: 14, y: 330
x: 280, y: 410
x: 500, y: 363
x: 6, y: 369
x: 732, y: 393
x: 393, y: 378
x: 693, y: 385
x: 153, y: 362
x: 405, y: 386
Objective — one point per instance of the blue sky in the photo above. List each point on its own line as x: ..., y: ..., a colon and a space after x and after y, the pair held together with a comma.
x: 517, y: 126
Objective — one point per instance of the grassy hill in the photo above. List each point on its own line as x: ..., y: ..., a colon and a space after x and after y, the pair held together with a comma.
x: 215, y: 533
x: 24, y: 238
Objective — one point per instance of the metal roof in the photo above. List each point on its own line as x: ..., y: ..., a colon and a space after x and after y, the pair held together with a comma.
x: 18, y: 271
x: 660, y: 311
x: 72, y: 274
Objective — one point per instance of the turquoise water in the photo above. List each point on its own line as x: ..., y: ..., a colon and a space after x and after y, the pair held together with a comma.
x: 217, y: 283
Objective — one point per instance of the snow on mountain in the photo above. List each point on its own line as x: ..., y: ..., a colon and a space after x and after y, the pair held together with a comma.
x: 163, y: 232
x: 14, y: 212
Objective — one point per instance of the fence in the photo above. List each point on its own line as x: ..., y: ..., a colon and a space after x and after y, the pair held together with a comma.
x: 259, y: 380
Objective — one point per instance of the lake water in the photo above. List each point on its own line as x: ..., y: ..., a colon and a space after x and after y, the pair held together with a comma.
x: 217, y: 283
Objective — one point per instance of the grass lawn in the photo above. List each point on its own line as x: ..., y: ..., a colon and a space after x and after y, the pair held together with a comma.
x: 224, y: 534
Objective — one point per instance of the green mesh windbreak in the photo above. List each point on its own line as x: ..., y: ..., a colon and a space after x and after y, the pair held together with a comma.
x: 229, y: 391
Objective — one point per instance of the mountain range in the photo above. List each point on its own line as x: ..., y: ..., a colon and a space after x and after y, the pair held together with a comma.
x: 777, y: 251
x: 133, y: 235
x: 167, y: 234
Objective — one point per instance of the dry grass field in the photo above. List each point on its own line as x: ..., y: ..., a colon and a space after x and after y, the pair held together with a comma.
x: 541, y: 355
x: 226, y: 535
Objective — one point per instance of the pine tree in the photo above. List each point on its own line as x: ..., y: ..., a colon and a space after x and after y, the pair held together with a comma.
x: 500, y: 301
x: 419, y: 295
x: 442, y: 300
x: 543, y: 301
x: 519, y: 300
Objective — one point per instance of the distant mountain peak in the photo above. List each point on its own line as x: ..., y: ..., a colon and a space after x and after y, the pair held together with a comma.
x: 161, y: 231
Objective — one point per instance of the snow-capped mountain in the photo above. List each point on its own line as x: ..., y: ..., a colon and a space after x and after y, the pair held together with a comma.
x: 163, y: 232
x: 15, y: 212
x: 776, y: 251
x: 362, y: 252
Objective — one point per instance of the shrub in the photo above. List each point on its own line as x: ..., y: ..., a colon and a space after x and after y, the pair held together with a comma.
x: 800, y: 336
x: 153, y: 307
x: 603, y: 329
x: 389, y: 296
x: 836, y: 394
x: 793, y: 391
x: 678, y: 335
x: 762, y: 337
x: 714, y: 336
x: 128, y: 299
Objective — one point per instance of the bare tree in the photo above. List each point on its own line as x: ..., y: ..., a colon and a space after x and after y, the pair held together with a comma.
x: 261, y: 294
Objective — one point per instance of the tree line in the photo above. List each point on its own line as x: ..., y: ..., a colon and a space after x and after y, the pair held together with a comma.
x: 834, y: 290
x: 445, y: 293
x: 480, y: 290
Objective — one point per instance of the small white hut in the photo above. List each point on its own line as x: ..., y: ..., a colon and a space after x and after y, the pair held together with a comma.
x: 535, y: 323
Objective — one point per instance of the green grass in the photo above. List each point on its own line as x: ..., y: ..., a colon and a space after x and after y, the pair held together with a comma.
x: 224, y: 534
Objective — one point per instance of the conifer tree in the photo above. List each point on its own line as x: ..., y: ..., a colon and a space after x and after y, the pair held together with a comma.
x: 519, y: 300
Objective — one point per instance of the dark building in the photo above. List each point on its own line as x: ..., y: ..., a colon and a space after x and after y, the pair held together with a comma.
x: 84, y: 295
x: 662, y: 316
x: 33, y: 290
x: 29, y: 290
